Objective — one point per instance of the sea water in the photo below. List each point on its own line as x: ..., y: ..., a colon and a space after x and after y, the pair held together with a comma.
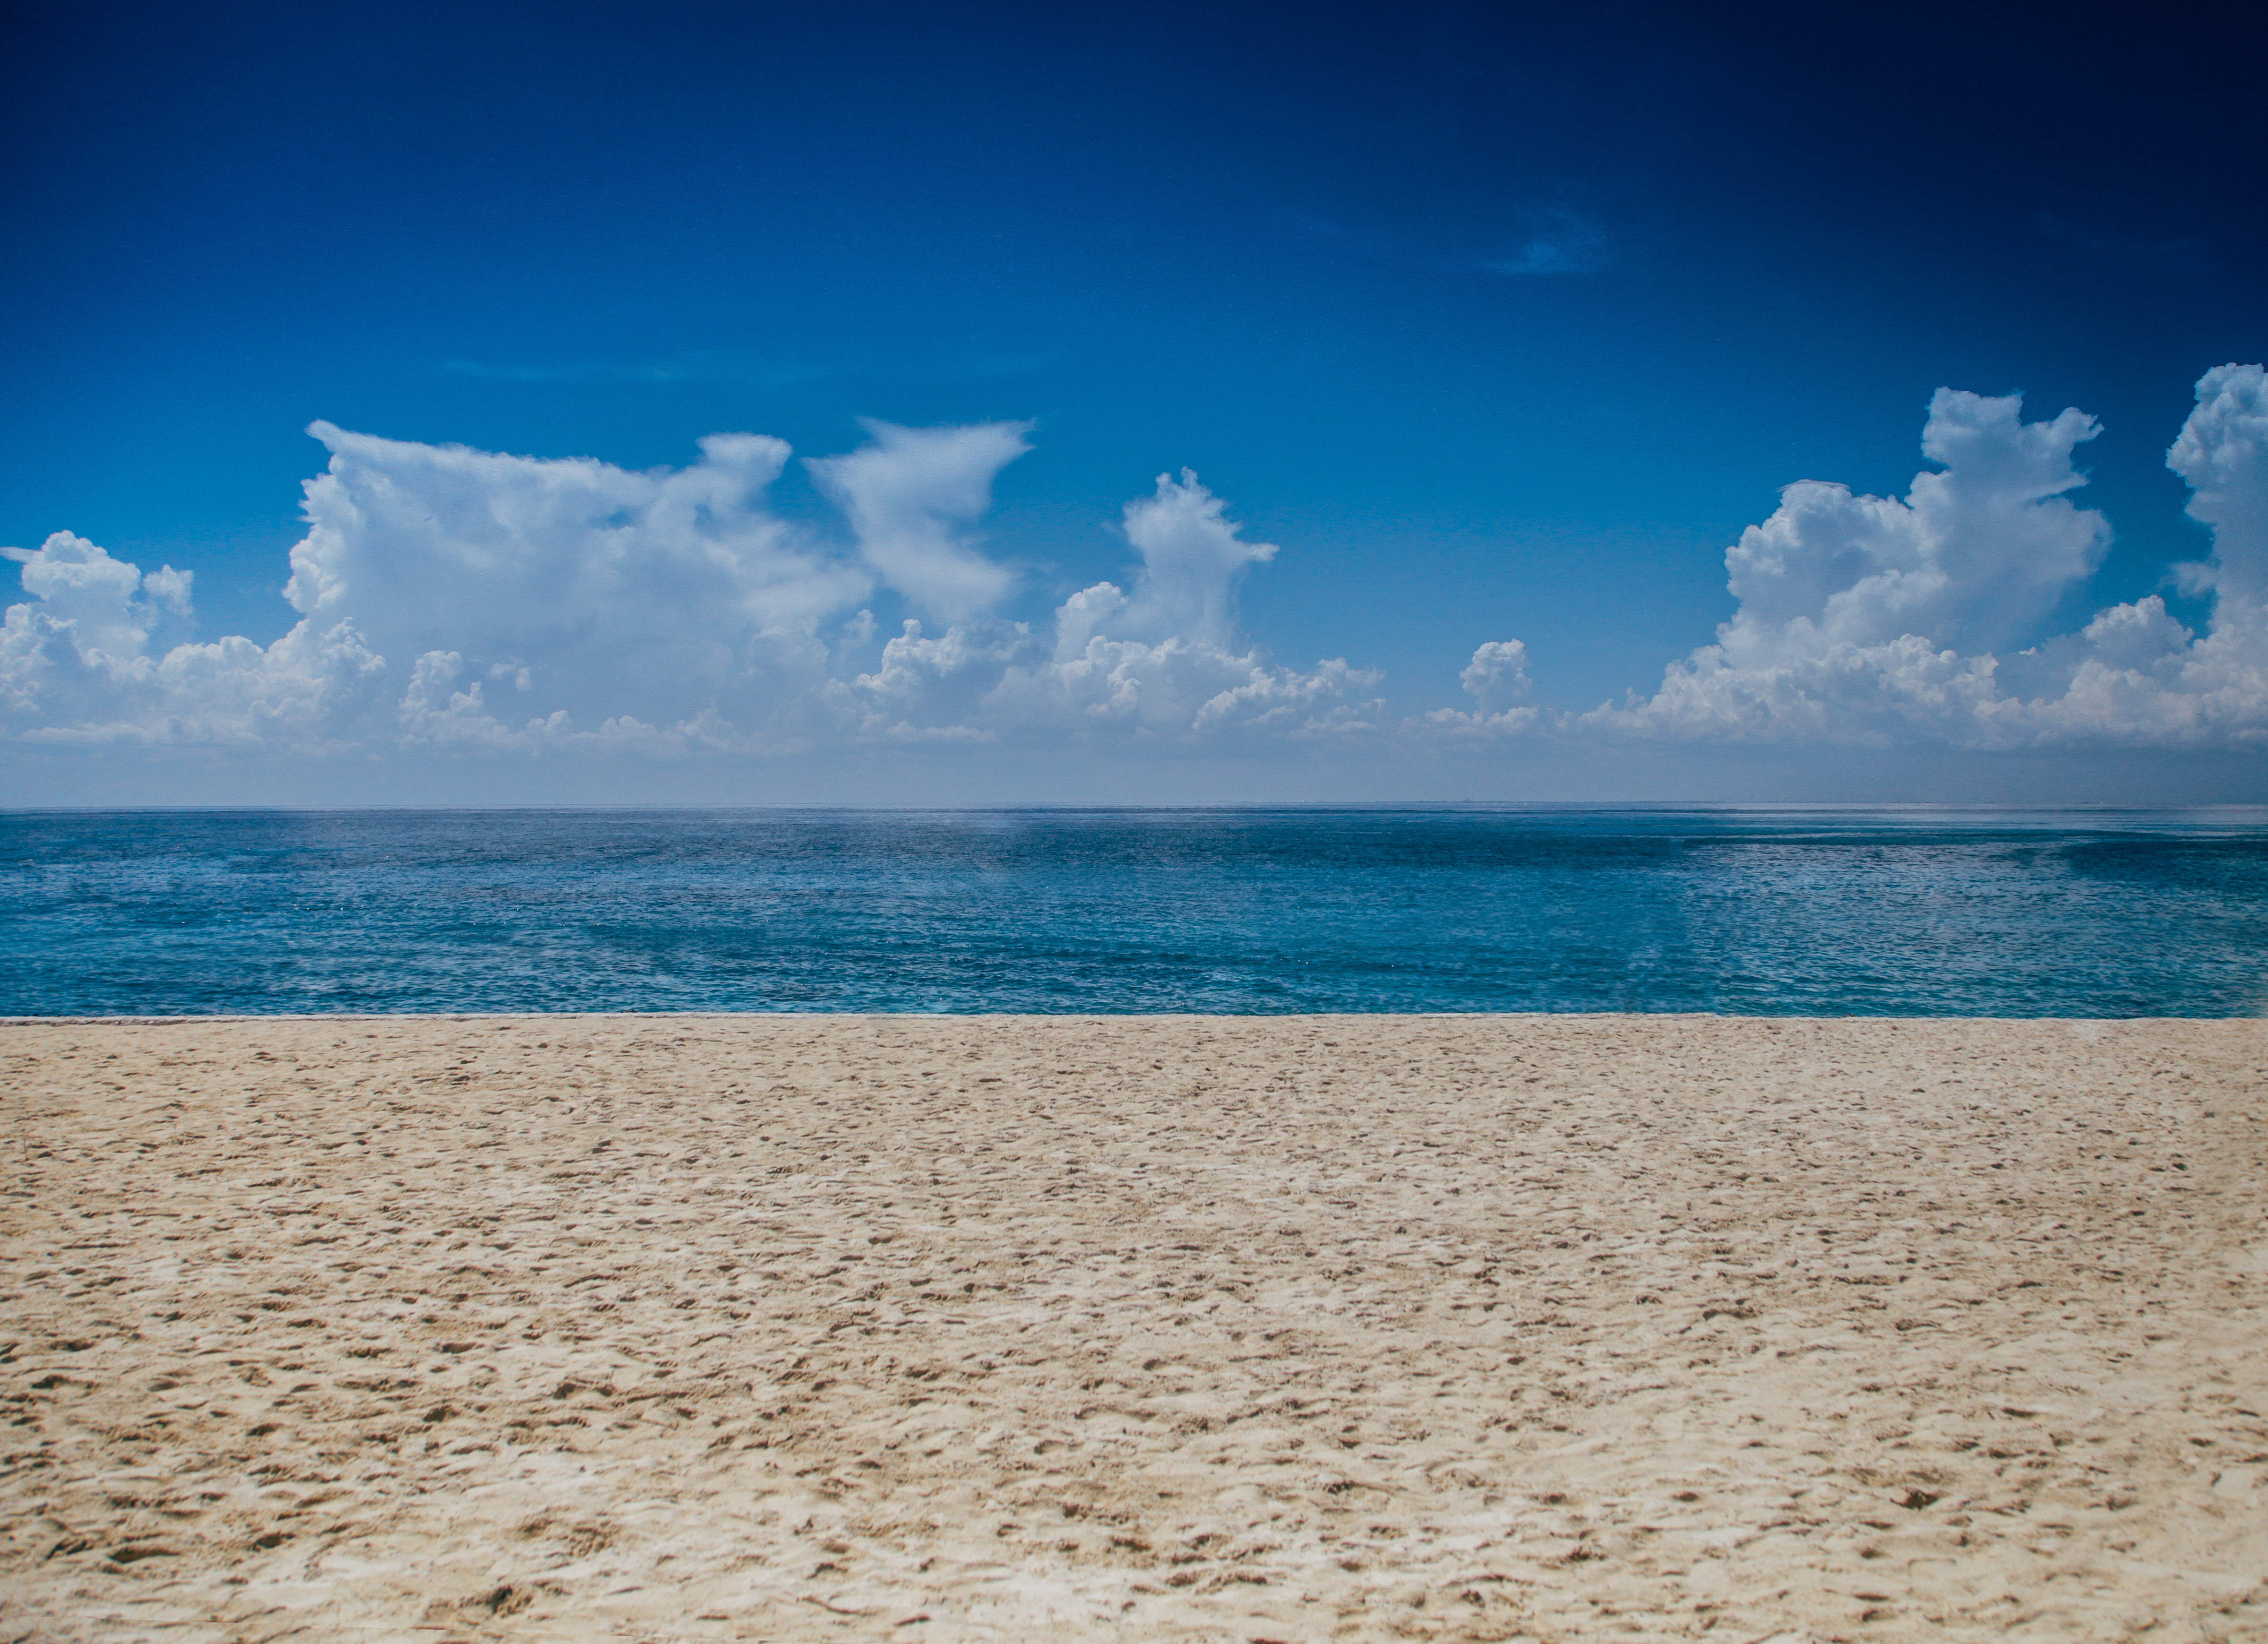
x: 1783, y: 911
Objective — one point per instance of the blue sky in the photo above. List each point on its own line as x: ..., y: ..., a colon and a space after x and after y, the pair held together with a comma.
x: 1500, y: 322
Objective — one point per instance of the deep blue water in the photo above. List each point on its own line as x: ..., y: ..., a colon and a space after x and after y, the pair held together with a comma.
x: 1770, y: 911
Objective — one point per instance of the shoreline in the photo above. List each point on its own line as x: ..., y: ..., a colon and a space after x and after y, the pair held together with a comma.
x: 249, y: 1017
x: 1460, y: 1326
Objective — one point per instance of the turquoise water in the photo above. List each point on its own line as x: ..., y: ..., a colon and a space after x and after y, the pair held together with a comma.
x: 1458, y: 909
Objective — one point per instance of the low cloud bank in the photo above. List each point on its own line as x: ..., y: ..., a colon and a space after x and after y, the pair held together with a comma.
x: 459, y: 598
x: 453, y: 599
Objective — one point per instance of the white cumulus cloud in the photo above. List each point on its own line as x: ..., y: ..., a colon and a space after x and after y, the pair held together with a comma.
x: 1970, y: 558
x: 1165, y: 661
x: 80, y: 664
x: 472, y: 601
x: 471, y: 605
x: 594, y: 590
x: 2223, y: 453
x: 1873, y: 619
x: 1498, y: 681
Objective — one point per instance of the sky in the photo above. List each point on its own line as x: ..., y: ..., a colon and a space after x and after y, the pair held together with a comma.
x: 575, y: 403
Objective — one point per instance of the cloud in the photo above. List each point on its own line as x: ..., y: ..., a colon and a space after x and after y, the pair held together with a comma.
x: 668, y: 593
x: 1497, y: 680
x: 740, y: 367
x: 79, y: 665
x: 701, y: 365
x: 1871, y: 620
x: 1192, y: 558
x: 1497, y: 677
x: 1973, y: 556
x: 1552, y: 241
x: 1557, y: 242
x: 2171, y: 254
x: 2223, y: 453
x: 911, y: 496
x: 1166, y: 662
x: 472, y: 605
x: 463, y: 600
x: 1170, y: 654
x: 110, y: 607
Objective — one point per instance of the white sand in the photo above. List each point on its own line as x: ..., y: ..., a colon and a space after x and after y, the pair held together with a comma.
x: 1131, y: 1329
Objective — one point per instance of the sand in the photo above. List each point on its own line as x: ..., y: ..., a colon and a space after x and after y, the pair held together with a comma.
x: 1136, y: 1328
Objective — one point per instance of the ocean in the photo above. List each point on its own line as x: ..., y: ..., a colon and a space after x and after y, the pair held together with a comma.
x: 1780, y: 911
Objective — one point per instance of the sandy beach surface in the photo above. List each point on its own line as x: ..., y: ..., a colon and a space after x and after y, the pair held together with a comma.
x: 1186, y: 1328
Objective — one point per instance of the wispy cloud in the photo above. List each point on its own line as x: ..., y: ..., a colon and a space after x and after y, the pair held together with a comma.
x: 699, y: 367
x: 1549, y: 239
x: 725, y: 365
x: 913, y: 496
x: 1557, y: 241
x: 2174, y: 254
x: 1307, y: 223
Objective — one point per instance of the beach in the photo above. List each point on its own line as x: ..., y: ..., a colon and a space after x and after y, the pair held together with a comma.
x: 1249, y: 1328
